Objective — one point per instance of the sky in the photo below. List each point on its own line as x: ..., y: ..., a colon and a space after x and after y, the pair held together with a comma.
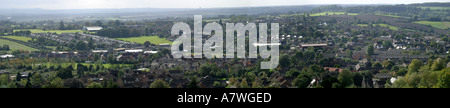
x: 102, y: 4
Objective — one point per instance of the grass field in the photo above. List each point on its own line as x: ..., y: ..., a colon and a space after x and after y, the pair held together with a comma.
x: 216, y: 20
x: 292, y: 15
x: 440, y: 25
x: 21, y: 38
x: 15, y: 46
x: 395, y: 16
x: 381, y: 25
x: 52, y: 31
x: 152, y: 39
x: 436, y: 8
x: 331, y: 13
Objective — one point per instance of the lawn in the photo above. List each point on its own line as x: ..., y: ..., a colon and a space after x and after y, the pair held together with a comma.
x: 152, y: 39
x: 52, y: 31
x: 440, y: 25
x: 16, y: 46
x: 21, y: 38
x: 381, y: 25
x: 331, y: 13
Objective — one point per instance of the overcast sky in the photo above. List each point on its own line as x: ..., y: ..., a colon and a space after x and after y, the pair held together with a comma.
x: 99, y: 4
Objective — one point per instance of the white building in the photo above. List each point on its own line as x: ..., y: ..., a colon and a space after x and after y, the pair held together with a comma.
x: 94, y: 28
x: 7, y: 56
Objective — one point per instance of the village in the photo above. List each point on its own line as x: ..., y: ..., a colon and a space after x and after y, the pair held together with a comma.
x: 316, y: 51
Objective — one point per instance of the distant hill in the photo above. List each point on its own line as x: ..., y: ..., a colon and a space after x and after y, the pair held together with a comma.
x: 436, y: 4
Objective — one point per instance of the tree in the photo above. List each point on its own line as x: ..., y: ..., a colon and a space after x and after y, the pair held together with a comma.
x: 61, y: 25
x: 80, y: 70
x: 147, y: 43
x: 18, y: 76
x: 387, y: 44
x: 370, y: 50
x: 414, y: 66
x: 357, y: 79
x: 438, y: 65
x: 284, y: 60
x: 94, y: 85
x: 256, y: 83
x: 217, y: 84
x: 73, y: 83
x: 327, y: 82
x: 401, y: 72
x: 80, y: 46
x: 159, y: 84
x: 387, y: 64
x: 302, y: 80
x: 5, y: 47
x: 293, y: 72
x: 244, y: 83
x: 193, y: 83
x: 377, y: 65
x: 345, y: 78
x: 349, y: 53
x: 204, y: 70
x: 444, y: 78
x: 64, y: 73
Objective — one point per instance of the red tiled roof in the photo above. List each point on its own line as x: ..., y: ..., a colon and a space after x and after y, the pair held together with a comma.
x: 332, y: 69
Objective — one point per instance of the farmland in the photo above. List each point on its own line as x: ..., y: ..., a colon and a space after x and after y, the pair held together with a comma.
x: 440, y: 25
x: 21, y: 38
x: 381, y: 25
x: 152, y: 39
x: 388, y: 15
x: 51, y: 31
x: 331, y: 13
x: 16, y: 46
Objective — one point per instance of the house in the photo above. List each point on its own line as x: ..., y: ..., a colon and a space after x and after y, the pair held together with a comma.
x: 380, y: 79
x: 100, y: 51
x: 4, y: 72
x: 91, y: 29
x: 7, y: 56
x: 362, y: 64
x: 304, y: 46
x: 134, y: 51
x: 165, y: 45
x: 150, y: 52
x: 332, y: 69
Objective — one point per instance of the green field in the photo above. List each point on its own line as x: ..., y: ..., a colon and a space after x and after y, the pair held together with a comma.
x: 15, y: 46
x: 51, y: 31
x: 381, y: 25
x: 217, y: 20
x: 439, y: 25
x: 292, y: 15
x: 436, y: 8
x: 331, y: 13
x: 395, y: 16
x: 152, y: 39
x: 21, y: 38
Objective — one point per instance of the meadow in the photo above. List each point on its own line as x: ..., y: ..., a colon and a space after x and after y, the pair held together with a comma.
x: 381, y: 25
x: 15, y: 46
x: 21, y: 38
x: 141, y: 40
x: 331, y: 13
x: 52, y: 31
x: 440, y: 25
x: 388, y: 15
